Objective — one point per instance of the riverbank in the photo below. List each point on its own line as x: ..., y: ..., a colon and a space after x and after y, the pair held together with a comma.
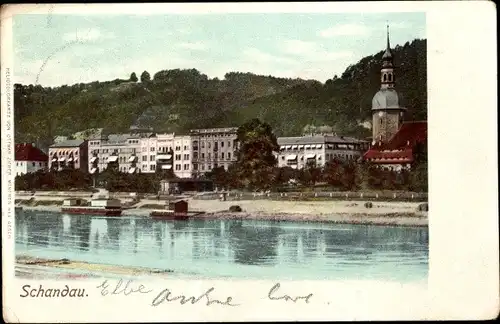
x: 341, y: 212
x: 32, y: 267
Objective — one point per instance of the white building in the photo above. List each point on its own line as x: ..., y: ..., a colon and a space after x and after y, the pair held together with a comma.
x: 182, y: 156
x: 29, y: 158
x: 296, y: 152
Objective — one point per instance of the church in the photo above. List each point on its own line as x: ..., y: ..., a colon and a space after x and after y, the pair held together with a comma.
x: 394, y: 141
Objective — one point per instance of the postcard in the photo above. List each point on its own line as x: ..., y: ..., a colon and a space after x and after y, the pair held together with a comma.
x: 249, y: 162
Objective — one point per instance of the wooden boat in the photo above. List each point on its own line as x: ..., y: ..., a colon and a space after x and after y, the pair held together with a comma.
x: 172, y: 215
x: 103, y: 207
x: 82, y: 210
x: 169, y: 215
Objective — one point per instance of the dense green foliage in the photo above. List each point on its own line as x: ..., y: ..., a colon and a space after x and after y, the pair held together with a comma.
x: 172, y: 100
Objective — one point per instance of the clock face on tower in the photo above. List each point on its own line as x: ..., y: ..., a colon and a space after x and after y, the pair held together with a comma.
x: 381, y: 114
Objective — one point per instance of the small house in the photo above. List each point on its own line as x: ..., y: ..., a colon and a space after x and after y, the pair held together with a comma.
x: 178, y: 206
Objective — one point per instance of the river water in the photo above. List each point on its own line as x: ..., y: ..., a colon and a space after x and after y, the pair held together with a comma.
x: 229, y: 248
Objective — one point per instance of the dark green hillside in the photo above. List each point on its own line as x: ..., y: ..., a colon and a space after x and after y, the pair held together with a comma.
x: 178, y: 100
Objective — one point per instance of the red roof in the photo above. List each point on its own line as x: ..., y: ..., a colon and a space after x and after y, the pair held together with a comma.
x: 399, y: 149
x: 27, y: 152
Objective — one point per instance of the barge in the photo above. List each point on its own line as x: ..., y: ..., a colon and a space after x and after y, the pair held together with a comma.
x: 102, y: 207
x: 177, y: 210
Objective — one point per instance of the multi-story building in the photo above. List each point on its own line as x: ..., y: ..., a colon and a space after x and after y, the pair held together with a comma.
x: 297, y: 152
x: 72, y: 154
x: 29, y: 159
x: 212, y: 148
x: 182, y: 156
x: 120, y: 151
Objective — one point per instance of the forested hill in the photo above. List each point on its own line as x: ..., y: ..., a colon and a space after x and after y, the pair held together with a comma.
x: 178, y: 100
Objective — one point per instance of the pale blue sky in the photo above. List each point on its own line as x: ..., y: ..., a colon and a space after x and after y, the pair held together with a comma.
x: 66, y: 49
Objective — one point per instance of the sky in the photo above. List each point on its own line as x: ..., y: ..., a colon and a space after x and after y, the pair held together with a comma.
x: 58, y: 49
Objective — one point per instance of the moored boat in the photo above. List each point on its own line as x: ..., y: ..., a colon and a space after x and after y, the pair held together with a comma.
x: 177, y: 210
x: 104, y: 207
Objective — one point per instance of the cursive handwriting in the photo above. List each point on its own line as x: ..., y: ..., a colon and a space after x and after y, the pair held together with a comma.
x: 285, y: 297
x: 127, y: 289
x: 167, y: 296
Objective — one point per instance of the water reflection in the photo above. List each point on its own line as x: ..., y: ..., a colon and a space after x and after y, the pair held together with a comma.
x: 229, y: 248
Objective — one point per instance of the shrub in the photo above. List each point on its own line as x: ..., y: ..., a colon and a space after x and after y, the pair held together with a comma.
x: 423, y: 207
x: 235, y: 209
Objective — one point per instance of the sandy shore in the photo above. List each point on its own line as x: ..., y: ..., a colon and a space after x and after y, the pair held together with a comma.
x: 27, y: 266
x: 346, y: 212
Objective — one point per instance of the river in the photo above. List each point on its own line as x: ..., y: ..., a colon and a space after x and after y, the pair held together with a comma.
x: 229, y: 248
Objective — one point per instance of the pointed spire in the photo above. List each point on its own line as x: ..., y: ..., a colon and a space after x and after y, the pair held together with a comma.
x: 387, y: 54
x: 388, y: 43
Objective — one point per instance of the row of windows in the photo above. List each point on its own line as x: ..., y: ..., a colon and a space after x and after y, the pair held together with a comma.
x: 40, y: 164
x: 209, y: 156
x: 209, y: 144
x: 59, y: 153
x: 178, y: 167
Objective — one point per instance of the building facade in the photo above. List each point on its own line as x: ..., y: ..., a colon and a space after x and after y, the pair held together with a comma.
x: 182, y: 151
x: 213, y: 148
x: 69, y: 154
x: 29, y: 158
x: 298, y: 152
x: 120, y: 151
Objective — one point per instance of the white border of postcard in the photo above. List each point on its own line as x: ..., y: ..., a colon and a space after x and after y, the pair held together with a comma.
x: 463, y: 279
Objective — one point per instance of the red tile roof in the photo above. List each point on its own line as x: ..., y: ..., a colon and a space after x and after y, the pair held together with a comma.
x: 27, y: 152
x: 410, y: 134
x: 399, y: 149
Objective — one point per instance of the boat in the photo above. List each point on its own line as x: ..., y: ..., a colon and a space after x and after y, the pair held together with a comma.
x: 103, y: 207
x: 177, y: 210
x: 169, y: 215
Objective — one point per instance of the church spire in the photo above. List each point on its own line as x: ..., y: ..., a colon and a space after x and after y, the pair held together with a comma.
x: 387, y: 72
x: 387, y: 54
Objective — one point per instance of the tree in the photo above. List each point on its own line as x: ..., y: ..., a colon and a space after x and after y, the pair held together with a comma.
x: 133, y: 77
x: 145, y: 77
x: 310, y: 174
x: 255, y: 158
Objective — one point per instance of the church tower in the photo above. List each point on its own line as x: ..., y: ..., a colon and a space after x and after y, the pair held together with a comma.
x: 387, y: 114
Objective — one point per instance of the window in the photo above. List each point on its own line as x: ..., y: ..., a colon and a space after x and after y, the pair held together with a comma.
x: 209, y: 145
x: 177, y: 167
x: 209, y: 167
x: 186, y: 147
x: 229, y: 144
x: 186, y: 156
x: 202, y: 167
x: 151, y: 158
x: 195, y: 155
x: 144, y: 166
x: 222, y: 155
x: 202, y: 155
x: 76, y: 153
x: 152, y: 167
x: 202, y: 144
x: 152, y: 149
x: 144, y: 149
x: 195, y: 166
x: 221, y: 144
x: 33, y: 163
x: 144, y: 158
x: 186, y: 166
x: 40, y: 164
x: 209, y: 156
